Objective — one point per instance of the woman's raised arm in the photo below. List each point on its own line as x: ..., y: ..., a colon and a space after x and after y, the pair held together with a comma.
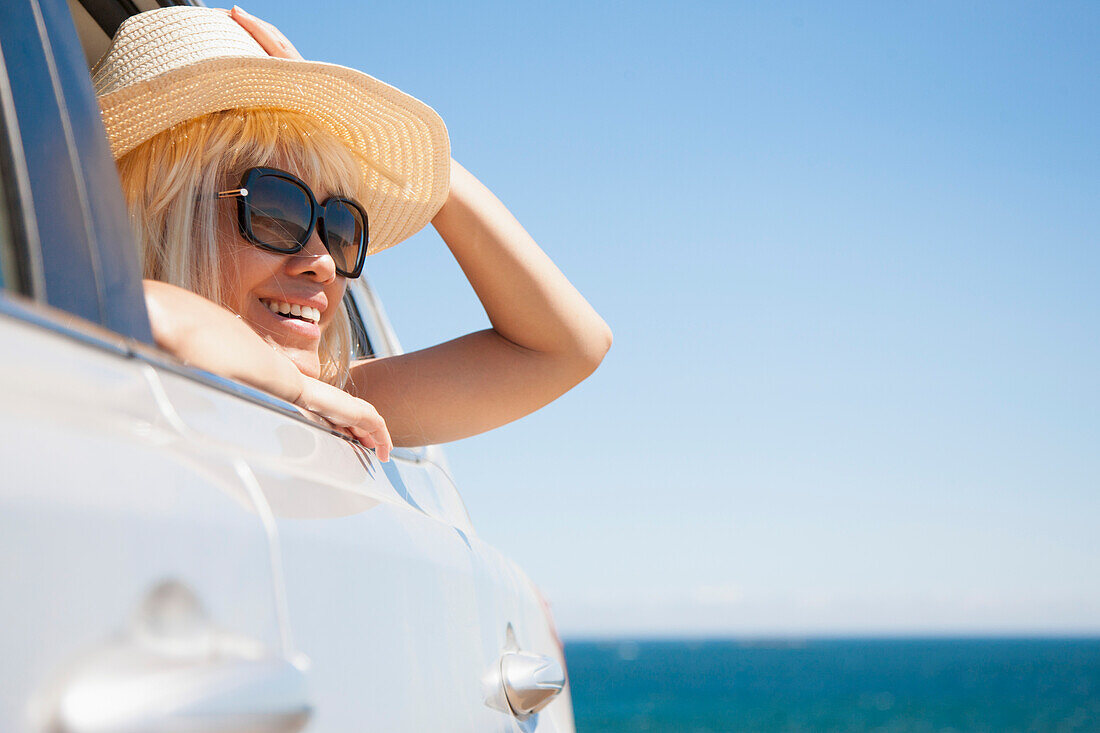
x: 545, y: 336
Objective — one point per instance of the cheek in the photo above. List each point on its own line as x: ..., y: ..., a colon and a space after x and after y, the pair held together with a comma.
x: 229, y: 269
x: 244, y: 267
x: 230, y: 276
x: 229, y: 266
x: 335, y: 295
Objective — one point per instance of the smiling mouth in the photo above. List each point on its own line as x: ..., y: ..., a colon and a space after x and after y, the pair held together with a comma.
x: 305, y: 313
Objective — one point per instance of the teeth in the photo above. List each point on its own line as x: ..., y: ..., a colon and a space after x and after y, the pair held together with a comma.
x: 305, y: 312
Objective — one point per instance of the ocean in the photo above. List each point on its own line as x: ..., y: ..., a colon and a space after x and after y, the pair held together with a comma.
x: 995, y: 685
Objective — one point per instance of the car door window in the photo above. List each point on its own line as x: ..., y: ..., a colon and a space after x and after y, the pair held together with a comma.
x: 18, y: 260
x: 9, y: 279
x: 360, y: 341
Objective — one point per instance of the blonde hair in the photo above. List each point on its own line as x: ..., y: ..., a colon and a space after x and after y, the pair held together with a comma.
x: 170, y: 182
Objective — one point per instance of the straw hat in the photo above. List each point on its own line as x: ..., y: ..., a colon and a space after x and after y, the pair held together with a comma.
x: 170, y: 65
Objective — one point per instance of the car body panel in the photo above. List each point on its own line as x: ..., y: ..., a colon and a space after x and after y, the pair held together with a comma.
x: 102, y: 503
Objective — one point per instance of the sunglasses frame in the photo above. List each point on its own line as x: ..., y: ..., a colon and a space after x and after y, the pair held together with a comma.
x: 316, y: 213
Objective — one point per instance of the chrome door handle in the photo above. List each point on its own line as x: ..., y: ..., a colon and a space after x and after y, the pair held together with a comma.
x: 174, y: 671
x: 522, y: 683
x: 129, y: 694
x: 530, y: 681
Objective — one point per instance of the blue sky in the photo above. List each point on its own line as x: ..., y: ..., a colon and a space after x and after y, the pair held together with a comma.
x: 850, y: 253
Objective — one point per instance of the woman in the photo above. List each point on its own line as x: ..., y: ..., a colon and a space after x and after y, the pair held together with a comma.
x: 197, y: 113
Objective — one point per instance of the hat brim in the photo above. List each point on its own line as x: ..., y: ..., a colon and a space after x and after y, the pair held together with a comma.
x: 401, y: 141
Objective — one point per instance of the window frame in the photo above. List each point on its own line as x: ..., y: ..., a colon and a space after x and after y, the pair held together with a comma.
x: 21, y: 226
x: 74, y: 230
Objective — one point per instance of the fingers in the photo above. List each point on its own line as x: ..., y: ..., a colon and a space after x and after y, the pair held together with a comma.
x: 270, y: 38
x: 379, y: 439
x: 369, y: 428
x: 358, y: 416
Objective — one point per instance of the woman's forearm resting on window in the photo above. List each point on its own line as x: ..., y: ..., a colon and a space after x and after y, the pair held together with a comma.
x: 205, y: 335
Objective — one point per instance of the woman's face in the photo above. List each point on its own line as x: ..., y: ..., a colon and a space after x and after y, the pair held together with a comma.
x: 274, y: 292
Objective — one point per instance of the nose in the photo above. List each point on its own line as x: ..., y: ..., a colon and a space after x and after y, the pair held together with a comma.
x: 313, y: 261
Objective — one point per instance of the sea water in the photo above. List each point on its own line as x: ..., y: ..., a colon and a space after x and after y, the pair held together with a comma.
x: 836, y: 685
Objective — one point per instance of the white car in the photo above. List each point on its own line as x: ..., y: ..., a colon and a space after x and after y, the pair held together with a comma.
x: 182, y: 552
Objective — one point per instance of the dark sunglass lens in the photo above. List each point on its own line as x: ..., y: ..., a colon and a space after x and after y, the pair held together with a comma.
x: 346, y: 232
x: 281, y: 212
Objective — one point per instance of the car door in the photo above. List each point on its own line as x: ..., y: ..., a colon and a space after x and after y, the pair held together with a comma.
x: 401, y: 614
x: 405, y: 614
x: 139, y: 588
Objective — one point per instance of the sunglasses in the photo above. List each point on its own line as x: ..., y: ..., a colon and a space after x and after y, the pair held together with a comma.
x: 277, y: 211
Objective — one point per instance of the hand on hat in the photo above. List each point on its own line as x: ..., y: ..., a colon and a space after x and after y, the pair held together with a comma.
x: 268, y: 36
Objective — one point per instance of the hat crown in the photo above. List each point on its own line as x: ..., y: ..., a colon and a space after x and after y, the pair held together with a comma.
x: 170, y: 65
x: 149, y: 44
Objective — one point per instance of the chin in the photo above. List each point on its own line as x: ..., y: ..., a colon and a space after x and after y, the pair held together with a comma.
x: 308, y: 364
